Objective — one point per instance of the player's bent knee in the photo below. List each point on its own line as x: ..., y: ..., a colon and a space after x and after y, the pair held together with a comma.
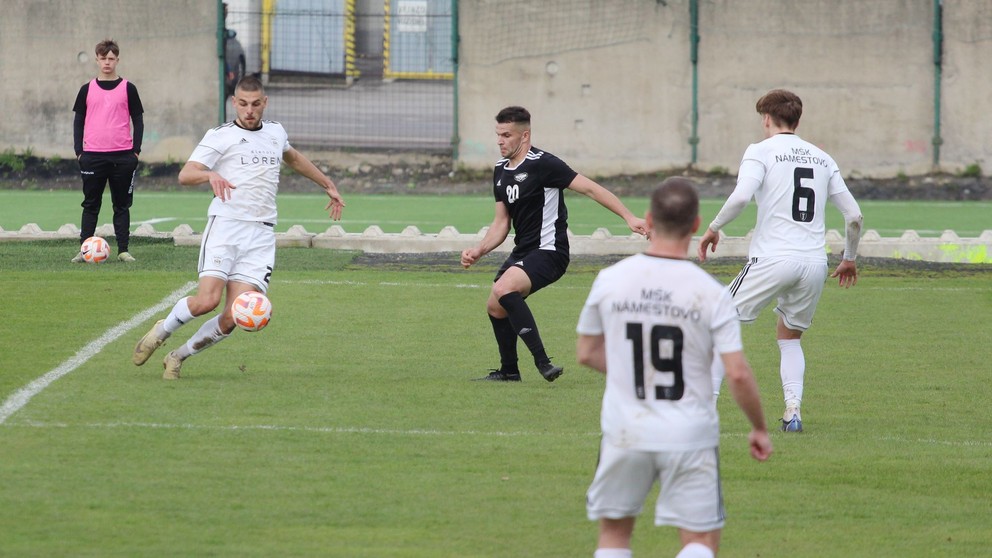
x: 495, y: 309
x: 502, y: 289
x: 200, y: 305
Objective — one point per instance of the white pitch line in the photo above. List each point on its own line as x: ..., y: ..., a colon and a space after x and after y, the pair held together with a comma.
x: 20, y: 398
x: 557, y: 287
x: 379, y: 284
x: 400, y: 284
x: 324, y: 429
x: 424, y: 432
x: 928, y: 289
x: 935, y: 442
x: 155, y: 221
x: 309, y: 429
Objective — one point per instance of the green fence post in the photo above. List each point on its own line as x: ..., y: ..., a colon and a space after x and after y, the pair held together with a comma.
x: 938, y: 48
x: 454, y: 62
x: 694, y: 58
x: 222, y: 93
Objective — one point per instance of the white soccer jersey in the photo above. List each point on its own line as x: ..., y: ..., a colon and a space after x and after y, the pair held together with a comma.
x: 663, y: 320
x: 795, y: 178
x: 250, y: 160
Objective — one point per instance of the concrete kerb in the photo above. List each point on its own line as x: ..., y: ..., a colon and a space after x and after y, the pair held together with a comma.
x: 948, y: 248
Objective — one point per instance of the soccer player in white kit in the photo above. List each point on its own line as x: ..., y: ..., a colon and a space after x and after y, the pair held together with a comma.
x: 653, y: 323
x: 791, y: 181
x: 241, y: 162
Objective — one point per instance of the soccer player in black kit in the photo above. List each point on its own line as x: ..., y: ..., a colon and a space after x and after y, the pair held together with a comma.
x: 529, y: 188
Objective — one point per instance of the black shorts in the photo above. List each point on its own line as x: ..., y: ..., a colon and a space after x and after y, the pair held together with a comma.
x: 543, y: 267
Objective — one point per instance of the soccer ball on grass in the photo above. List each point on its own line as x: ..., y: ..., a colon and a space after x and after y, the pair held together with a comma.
x: 94, y: 250
x: 251, y: 310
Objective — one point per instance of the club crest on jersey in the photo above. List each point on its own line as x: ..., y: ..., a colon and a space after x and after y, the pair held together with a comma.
x: 520, y: 177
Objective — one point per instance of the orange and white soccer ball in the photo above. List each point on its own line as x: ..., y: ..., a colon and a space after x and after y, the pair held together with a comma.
x: 94, y: 250
x: 251, y: 310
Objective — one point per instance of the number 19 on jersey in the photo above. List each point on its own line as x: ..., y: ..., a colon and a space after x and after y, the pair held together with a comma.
x: 665, y: 345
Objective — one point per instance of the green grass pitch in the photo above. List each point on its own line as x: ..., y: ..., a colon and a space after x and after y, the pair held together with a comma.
x: 348, y: 427
x: 167, y: 210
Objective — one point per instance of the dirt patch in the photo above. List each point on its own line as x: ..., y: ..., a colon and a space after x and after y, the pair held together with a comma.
x: 413, y: 174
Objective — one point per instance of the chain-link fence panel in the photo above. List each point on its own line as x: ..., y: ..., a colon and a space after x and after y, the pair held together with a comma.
x: 344, y: 74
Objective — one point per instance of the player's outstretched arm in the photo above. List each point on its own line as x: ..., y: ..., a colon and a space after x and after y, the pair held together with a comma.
x: 847, y: 271
x: 744, y: 388
x: 736, y: 202
x: 194, y: 173
x: 609, y: 200
x: 298, y: 162
x: 590, y: 350
x: 497, y: 233
x: 708, y: 242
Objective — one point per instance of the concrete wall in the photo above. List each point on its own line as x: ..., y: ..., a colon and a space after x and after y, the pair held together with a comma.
x: 609, y: 82
x: 623, y: 102
x: 168, y: 49
x: 967, y: 84
x: 608, y: 98
x: 863, y: 69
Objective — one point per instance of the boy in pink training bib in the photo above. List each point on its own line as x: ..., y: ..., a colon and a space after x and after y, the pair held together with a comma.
x: 107, y: 150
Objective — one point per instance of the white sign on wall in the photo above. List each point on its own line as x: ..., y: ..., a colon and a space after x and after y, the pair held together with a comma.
x: 411, y: 16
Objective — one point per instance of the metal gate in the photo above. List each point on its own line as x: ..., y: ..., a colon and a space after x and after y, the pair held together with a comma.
x: 308, y: 36
x: 340, y: 74
x: 418, y: 39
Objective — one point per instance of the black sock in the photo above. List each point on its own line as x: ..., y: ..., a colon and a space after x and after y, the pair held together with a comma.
x: 524, y: 325
x: 506, y: 341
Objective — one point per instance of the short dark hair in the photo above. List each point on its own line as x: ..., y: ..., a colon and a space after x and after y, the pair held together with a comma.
x: 513, y: 115
x: 107, y: 45
x: 785, y: 107
x: 250, y: 83
x: 674, y: 207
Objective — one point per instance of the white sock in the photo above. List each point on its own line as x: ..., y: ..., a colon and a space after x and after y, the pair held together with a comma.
x: 179, y: 315
x: 613, y: 553
x: 792, y: 369
x: 717, y: 372
x: 695, y: 550
x: 208, y: 335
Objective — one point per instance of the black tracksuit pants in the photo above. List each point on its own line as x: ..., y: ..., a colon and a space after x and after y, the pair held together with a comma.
x: 98, y: 169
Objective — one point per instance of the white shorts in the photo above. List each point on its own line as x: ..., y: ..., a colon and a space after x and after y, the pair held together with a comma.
x: 242, y: 251
x: 795, y: 284
x: 690, y: 497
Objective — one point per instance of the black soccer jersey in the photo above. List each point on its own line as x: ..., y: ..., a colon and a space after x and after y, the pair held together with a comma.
x: 532, y: 193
